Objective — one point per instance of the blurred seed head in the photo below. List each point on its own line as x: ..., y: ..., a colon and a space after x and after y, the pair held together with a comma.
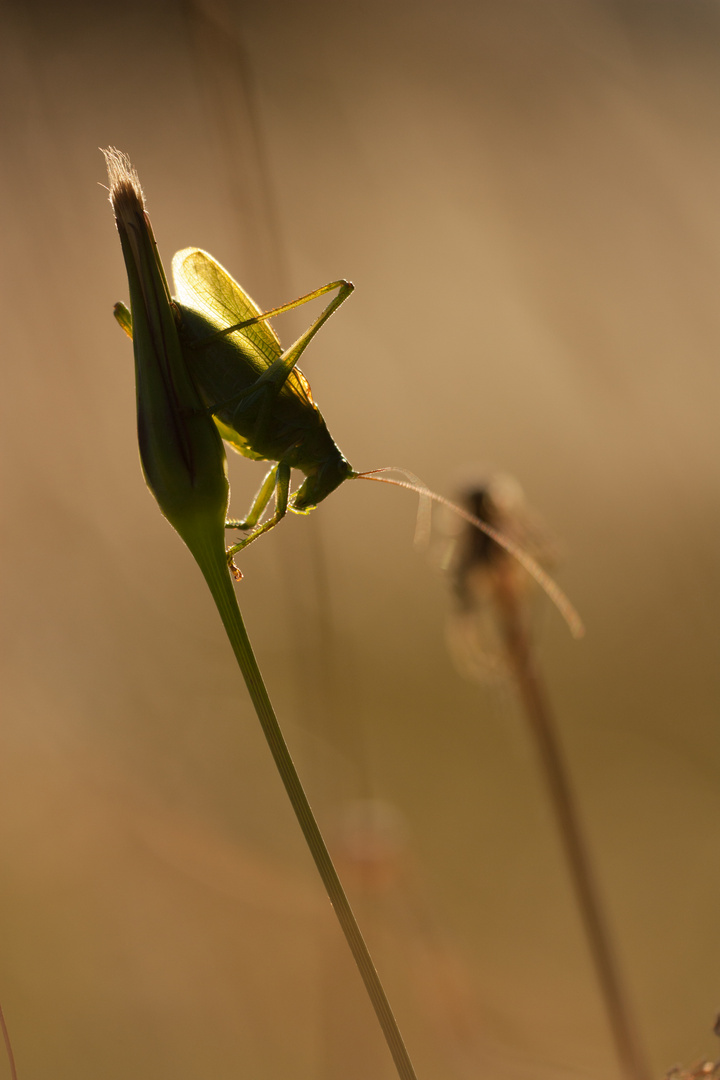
x: 477, y: 567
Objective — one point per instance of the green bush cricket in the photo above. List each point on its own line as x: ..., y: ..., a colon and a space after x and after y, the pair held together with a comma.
x: 260, y: 400
x: 263, y: 406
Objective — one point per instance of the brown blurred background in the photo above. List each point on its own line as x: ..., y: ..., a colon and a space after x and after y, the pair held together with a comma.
x: 527, y: 196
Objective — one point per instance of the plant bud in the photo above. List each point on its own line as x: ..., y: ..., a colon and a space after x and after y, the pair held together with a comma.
x: 181, y: 452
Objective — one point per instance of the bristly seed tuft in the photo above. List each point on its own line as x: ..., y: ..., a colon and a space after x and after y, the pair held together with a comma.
x: 126, y: 194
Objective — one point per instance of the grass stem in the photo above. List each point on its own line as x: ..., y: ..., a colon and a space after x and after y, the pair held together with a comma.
x: 8, y: 1046
x: 217, y: 577
x: 537, y: 707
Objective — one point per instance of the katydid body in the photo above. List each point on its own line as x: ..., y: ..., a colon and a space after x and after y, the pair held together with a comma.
x: 260, y: 400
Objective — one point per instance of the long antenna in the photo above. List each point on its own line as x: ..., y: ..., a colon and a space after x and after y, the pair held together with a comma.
x: 546, y: 583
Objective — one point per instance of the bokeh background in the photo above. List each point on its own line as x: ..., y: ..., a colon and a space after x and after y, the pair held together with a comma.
x: 527, y: 196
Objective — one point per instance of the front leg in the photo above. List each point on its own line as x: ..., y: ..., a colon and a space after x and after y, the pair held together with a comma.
x: 258, y: 504
x: 277, y: 480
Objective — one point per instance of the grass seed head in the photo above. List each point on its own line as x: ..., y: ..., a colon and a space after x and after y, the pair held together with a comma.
x: 180, y: 449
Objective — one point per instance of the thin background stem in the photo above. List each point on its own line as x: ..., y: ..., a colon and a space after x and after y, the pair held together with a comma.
x: 8, y: 1046
x: 226, y: 78
x: 539, y: 714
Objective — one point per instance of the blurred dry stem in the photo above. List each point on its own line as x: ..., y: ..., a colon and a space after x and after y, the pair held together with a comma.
x: 485, y: 572
x: 227, y: 85
x: 8, y: 1045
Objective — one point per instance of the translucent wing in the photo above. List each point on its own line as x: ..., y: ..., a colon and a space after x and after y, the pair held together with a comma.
x: 203, y: 284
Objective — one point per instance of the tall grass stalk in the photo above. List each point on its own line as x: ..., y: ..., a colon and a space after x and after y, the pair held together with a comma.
x: 539, y: 714
x: 8, y: 1046
x: 502, y: 579
x: 216, y: 574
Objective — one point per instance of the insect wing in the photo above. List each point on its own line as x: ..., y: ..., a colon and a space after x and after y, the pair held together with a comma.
x: 203, y: 284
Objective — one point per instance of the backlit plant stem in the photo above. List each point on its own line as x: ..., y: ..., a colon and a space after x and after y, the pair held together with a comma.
x: 218, y: 580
